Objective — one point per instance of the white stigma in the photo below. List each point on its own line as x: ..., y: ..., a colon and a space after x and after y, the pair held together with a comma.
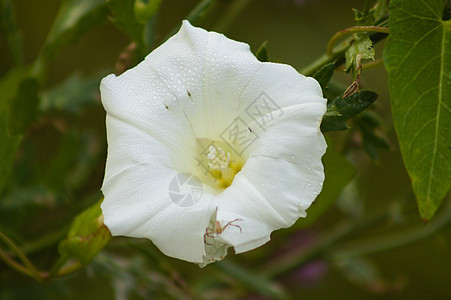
x: 218, y: 158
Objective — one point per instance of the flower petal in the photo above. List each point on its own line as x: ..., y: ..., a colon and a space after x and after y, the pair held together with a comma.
x: 279, y: 181
x: 138, y: 205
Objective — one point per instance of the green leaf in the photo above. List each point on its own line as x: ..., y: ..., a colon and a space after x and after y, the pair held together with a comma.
x: 418, y: 60
x: 123, y: 12
x: 361, y: 48
x: 18, y: 105
x: 8, y: 25
x: 87, y: 236
x: 74, y: 18
x: 368, y: 124
x: 324, y: 75
x: 447, y: 11
x: 338, y: 173
x: 72, y: 95
x: 262, y: 53
x: 341, y: 110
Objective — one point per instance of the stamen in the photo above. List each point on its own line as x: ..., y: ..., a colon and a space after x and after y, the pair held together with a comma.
x: 219, y: 159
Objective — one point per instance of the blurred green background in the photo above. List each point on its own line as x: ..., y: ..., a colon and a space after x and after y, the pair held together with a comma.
x: 59, y: 169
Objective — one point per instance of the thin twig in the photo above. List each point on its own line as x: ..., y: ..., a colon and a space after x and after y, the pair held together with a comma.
x: 13, y: 264
x: 27, y: 263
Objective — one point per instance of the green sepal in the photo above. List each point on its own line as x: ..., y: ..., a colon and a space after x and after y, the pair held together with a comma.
x: 87, y: 236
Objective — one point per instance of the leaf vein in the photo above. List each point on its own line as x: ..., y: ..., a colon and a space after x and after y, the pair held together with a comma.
x: 417, y: 43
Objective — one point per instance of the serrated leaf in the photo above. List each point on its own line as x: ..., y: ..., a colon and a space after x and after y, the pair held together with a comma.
x: 341, y: 110
x: 418, y: 60
x: 87, y: 236
x: 362, y: 19
x: 361, y: 48
x: 74, y: 18
x: 324, y: 75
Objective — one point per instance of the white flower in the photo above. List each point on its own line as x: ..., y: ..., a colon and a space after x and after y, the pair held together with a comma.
x: 243, y: 134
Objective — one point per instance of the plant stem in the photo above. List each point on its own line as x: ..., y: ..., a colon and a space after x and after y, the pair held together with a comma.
x: 75, y: 266
x: 373, y: 64
x: 338, y: 55
x: 32, y: 271
x: 13, y: 264
x: 323, y: 60
x: 45, y: 241
x: 58, y: 264
x: 393, y: 240
x: 296, y: 258
x: 252, y: 280
x: 346, y: 31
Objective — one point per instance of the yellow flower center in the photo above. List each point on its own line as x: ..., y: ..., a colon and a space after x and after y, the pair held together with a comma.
x: 219, y: 164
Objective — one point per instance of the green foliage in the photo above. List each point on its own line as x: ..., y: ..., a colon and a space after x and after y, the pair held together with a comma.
x: 368, y: 124
x: 123, y: 12
x: 8, y: 148
x: 18, y: 105
x: 145, y: 11
x: 8, y: 26
x: 53, y: 149
x: 23, y: 106
x: 199, y: 11
x: 362, y: 46
x: 418, y: 59
x: 262, y: 53
x: 324, y: 75
x: 71, y: 95
x: 256, y: 282
x: 341, y: 109
x: 74, y: 18
x: 87, y: 236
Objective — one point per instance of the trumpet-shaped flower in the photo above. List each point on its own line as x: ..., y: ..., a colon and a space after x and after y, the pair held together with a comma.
x: 209, y: 148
